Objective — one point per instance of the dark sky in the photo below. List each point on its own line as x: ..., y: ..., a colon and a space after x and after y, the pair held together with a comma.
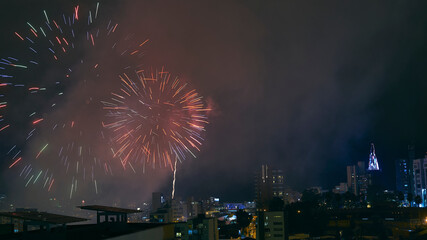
x: 303, y: 86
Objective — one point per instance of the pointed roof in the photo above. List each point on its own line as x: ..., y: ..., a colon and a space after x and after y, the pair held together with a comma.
x: 373, y: 161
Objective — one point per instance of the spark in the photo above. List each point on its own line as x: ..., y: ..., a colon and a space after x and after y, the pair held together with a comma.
x: 51, y: 183
x: 143, y: 43
x: 96, y: 12
x: 45, y: 14
x: 17, y: 160
x: 29, y: 180
x: 3, y: 128
x: 37, y: 121
x: 76, y: 12
x: 37, y: 177
x: 41, y: 150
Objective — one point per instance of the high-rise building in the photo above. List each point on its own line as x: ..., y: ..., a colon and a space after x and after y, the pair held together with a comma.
x: 361, y: 167
x: 420, y: 177
x: 404, y: 176
x: 157, y: 201
x: 373, y: 161
x: 352, y: 179
x: 278, y: 184
x: 373, y: 174
x: 358, y: 179
x: 263, y: 188
x: 363, y: 179
x: 269, y: 183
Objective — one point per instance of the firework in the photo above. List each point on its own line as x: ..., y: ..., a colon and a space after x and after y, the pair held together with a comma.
x: 174, y: 179
x: 155, y: 119
x: 52, y: 90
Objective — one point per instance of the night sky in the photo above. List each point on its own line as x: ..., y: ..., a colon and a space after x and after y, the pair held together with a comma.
x: 303, y: 86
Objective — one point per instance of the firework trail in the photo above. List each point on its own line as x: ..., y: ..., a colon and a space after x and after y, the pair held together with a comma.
x: 154, y: 118
x: 174, y: 179
x: 50, y: 92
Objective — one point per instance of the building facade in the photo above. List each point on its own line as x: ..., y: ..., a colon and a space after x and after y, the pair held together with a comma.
x: 199, y: 228
x: 278, y: 184
x: 420, y: 177
x: 179, y: 210
x: 157, y: 201
x: 271, y: 226
x: 352, y: 179
x: 269, y: 183
x: 340, y: 189
x: 404, y: 176
x: 358, y: 179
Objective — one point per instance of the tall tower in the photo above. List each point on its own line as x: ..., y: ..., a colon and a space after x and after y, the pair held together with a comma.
x: 373, y: 161
x: 269, y: 184
x: 263, y: 187
x: 352, y: 179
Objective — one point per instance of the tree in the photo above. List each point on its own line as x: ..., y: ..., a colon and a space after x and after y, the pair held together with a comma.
x: 311, y: 196
x: 328, y: 198
x: 243, y: 218
x: 276, y: 204
x: 400, y: 196
x: 418, y: 200
x: 410, y: 198
x: 349, y: 199
x: 337, y: 199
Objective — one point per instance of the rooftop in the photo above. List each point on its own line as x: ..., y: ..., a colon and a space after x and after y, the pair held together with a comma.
x: 108, y: 209
x: 43, y: 217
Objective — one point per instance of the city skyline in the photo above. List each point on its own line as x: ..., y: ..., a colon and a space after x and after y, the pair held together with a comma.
x: 304, y: 88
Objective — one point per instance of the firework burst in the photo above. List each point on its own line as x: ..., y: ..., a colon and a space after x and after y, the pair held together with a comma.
x: 50, y: 94
x: 155, y: 120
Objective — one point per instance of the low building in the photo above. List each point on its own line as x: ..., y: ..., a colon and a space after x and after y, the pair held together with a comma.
x: 270, y: 226
x: 340, y: 189
x: 162, y: 215
x: 179, y: 211
x: 199, y: 228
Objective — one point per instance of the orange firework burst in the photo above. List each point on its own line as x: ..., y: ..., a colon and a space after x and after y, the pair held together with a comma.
x: 155, y: 119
